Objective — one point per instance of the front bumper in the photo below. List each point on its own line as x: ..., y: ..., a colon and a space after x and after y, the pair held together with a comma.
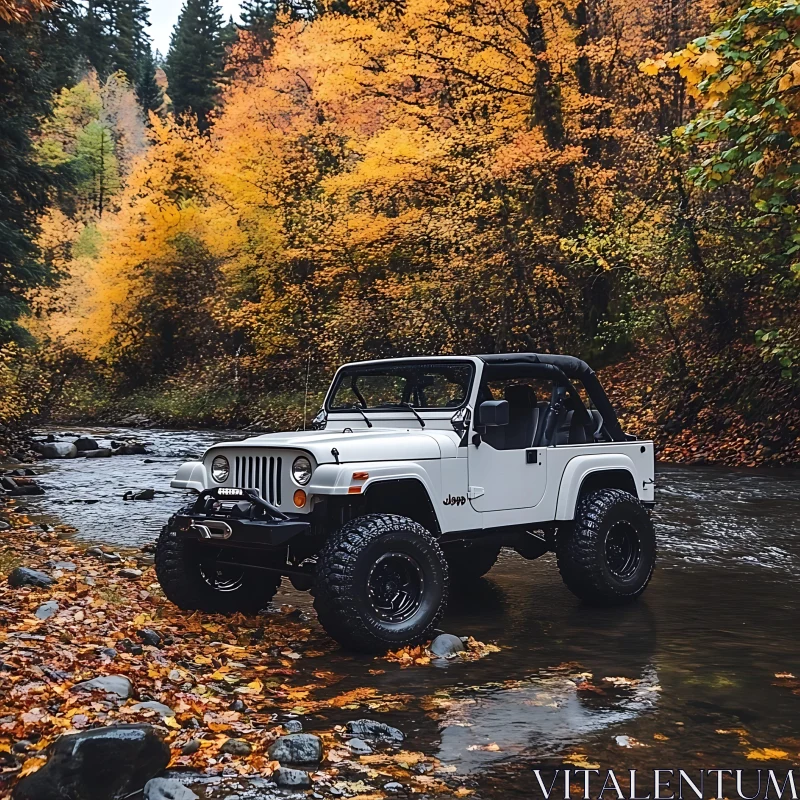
x: 237, y: 517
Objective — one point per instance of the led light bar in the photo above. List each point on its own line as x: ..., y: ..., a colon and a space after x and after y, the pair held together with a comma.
x: 226, y: 492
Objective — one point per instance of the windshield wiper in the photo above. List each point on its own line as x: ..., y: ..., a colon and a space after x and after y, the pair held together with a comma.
x: 361, y: 411
x: 413, y: 411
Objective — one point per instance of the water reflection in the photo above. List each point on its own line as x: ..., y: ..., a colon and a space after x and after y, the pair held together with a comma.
x: 538, y: 718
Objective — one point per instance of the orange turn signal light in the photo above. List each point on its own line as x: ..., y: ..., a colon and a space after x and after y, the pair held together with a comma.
x: 360, y: 476
x: 354, y: 490
x: 299, y: 498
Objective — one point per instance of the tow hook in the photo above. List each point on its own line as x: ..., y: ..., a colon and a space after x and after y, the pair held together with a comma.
x: 212, y: 529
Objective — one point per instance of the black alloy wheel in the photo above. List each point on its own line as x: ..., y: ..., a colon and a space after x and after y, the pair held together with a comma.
x: 220, y: 577
x: 623, y: 549
x: 394, y: 586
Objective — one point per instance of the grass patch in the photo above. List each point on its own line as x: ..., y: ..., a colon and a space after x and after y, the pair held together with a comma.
x: 8, y: 561
x: 112, y: 595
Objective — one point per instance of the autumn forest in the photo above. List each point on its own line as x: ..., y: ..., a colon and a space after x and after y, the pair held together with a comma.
x: 200, y: 236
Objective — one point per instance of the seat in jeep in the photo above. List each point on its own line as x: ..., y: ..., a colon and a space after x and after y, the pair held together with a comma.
x: 525, y: 416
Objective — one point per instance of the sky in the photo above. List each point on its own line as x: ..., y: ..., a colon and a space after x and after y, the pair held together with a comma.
x: 164, y: 14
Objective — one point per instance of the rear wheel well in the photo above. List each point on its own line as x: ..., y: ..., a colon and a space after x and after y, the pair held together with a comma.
x: 406, y: 497
x: 608, y: 479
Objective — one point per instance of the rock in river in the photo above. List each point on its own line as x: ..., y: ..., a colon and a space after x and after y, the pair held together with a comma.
x: 371, y: 729
x: 59, y: 450
x: 22, y: 576
x: 297, y: 748
x: 142, y: 494
x: 445, y: 645
x: 110, y: 684
x: 84, y: 443
x: 109, y: 763
x: 359, y: 747
x: 100, y: 452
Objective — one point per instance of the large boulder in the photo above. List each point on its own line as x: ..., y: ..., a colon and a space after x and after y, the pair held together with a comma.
x: 59, y: 450
x: 297, y: 748
x: 84, y: 443
x: 100, y: 764
x: 23, y: 576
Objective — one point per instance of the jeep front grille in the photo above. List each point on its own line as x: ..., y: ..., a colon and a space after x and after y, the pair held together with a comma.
x: 262, y: 473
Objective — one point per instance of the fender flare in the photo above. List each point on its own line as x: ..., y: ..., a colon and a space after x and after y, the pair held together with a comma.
x: 190, y: 475
x: 336, y: 479
x: 576, y: 472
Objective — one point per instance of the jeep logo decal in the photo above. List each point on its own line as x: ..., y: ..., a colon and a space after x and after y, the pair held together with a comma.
x: 454, y: 501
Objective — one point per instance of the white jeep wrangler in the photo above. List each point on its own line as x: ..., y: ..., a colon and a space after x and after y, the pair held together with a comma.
x: 417, y: 472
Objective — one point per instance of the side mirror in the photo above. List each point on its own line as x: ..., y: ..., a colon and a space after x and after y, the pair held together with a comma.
x: 493, y: 412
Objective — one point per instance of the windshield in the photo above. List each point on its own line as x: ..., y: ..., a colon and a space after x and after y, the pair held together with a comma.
x: 439, y: 385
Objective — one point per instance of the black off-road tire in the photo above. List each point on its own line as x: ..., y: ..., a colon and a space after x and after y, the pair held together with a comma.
x: 468, y: 564
x: 608, y: 554
x: 179, y: 571
x: 344, y: 591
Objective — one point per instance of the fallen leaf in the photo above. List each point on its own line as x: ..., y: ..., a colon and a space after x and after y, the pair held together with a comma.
x: 766, y: 754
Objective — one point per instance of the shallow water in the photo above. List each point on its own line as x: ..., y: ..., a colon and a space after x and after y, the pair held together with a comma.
x: 700, y: 650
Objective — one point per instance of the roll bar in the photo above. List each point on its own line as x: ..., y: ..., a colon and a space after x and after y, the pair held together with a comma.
x: 572, y: 368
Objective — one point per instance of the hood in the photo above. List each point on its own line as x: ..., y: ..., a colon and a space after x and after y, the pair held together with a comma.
x: 362, y: 444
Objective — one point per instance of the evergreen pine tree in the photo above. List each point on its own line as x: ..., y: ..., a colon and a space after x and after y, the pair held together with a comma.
x: 258, y: 17
x: 98, y: 37
x: 148, y: 91
x: 132, y: 44
x: 229, y: 33
x: 114, y: 37
x: 38, y: 58
x: 195, y: 59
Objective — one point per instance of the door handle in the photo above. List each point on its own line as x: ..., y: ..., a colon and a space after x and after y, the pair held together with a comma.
x: 531, y: 457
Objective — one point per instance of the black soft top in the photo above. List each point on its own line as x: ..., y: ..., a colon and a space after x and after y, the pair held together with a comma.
x: 570, y: 368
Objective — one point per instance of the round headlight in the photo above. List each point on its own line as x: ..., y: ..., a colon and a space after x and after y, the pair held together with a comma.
x: 220, y: 469
x: 301, y: 470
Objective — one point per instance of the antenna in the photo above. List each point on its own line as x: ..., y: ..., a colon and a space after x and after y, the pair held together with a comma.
x: 305, y: 399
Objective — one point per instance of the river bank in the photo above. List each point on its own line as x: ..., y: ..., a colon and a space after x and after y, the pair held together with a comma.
x: 734, y: 411
x: 87, y: 639
x: 686, y: 676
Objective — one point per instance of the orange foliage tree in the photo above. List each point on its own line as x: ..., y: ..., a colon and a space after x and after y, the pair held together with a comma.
x: 435, y: 176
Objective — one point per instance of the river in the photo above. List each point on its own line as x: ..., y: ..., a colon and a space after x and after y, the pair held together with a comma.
x: 694, y: 662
